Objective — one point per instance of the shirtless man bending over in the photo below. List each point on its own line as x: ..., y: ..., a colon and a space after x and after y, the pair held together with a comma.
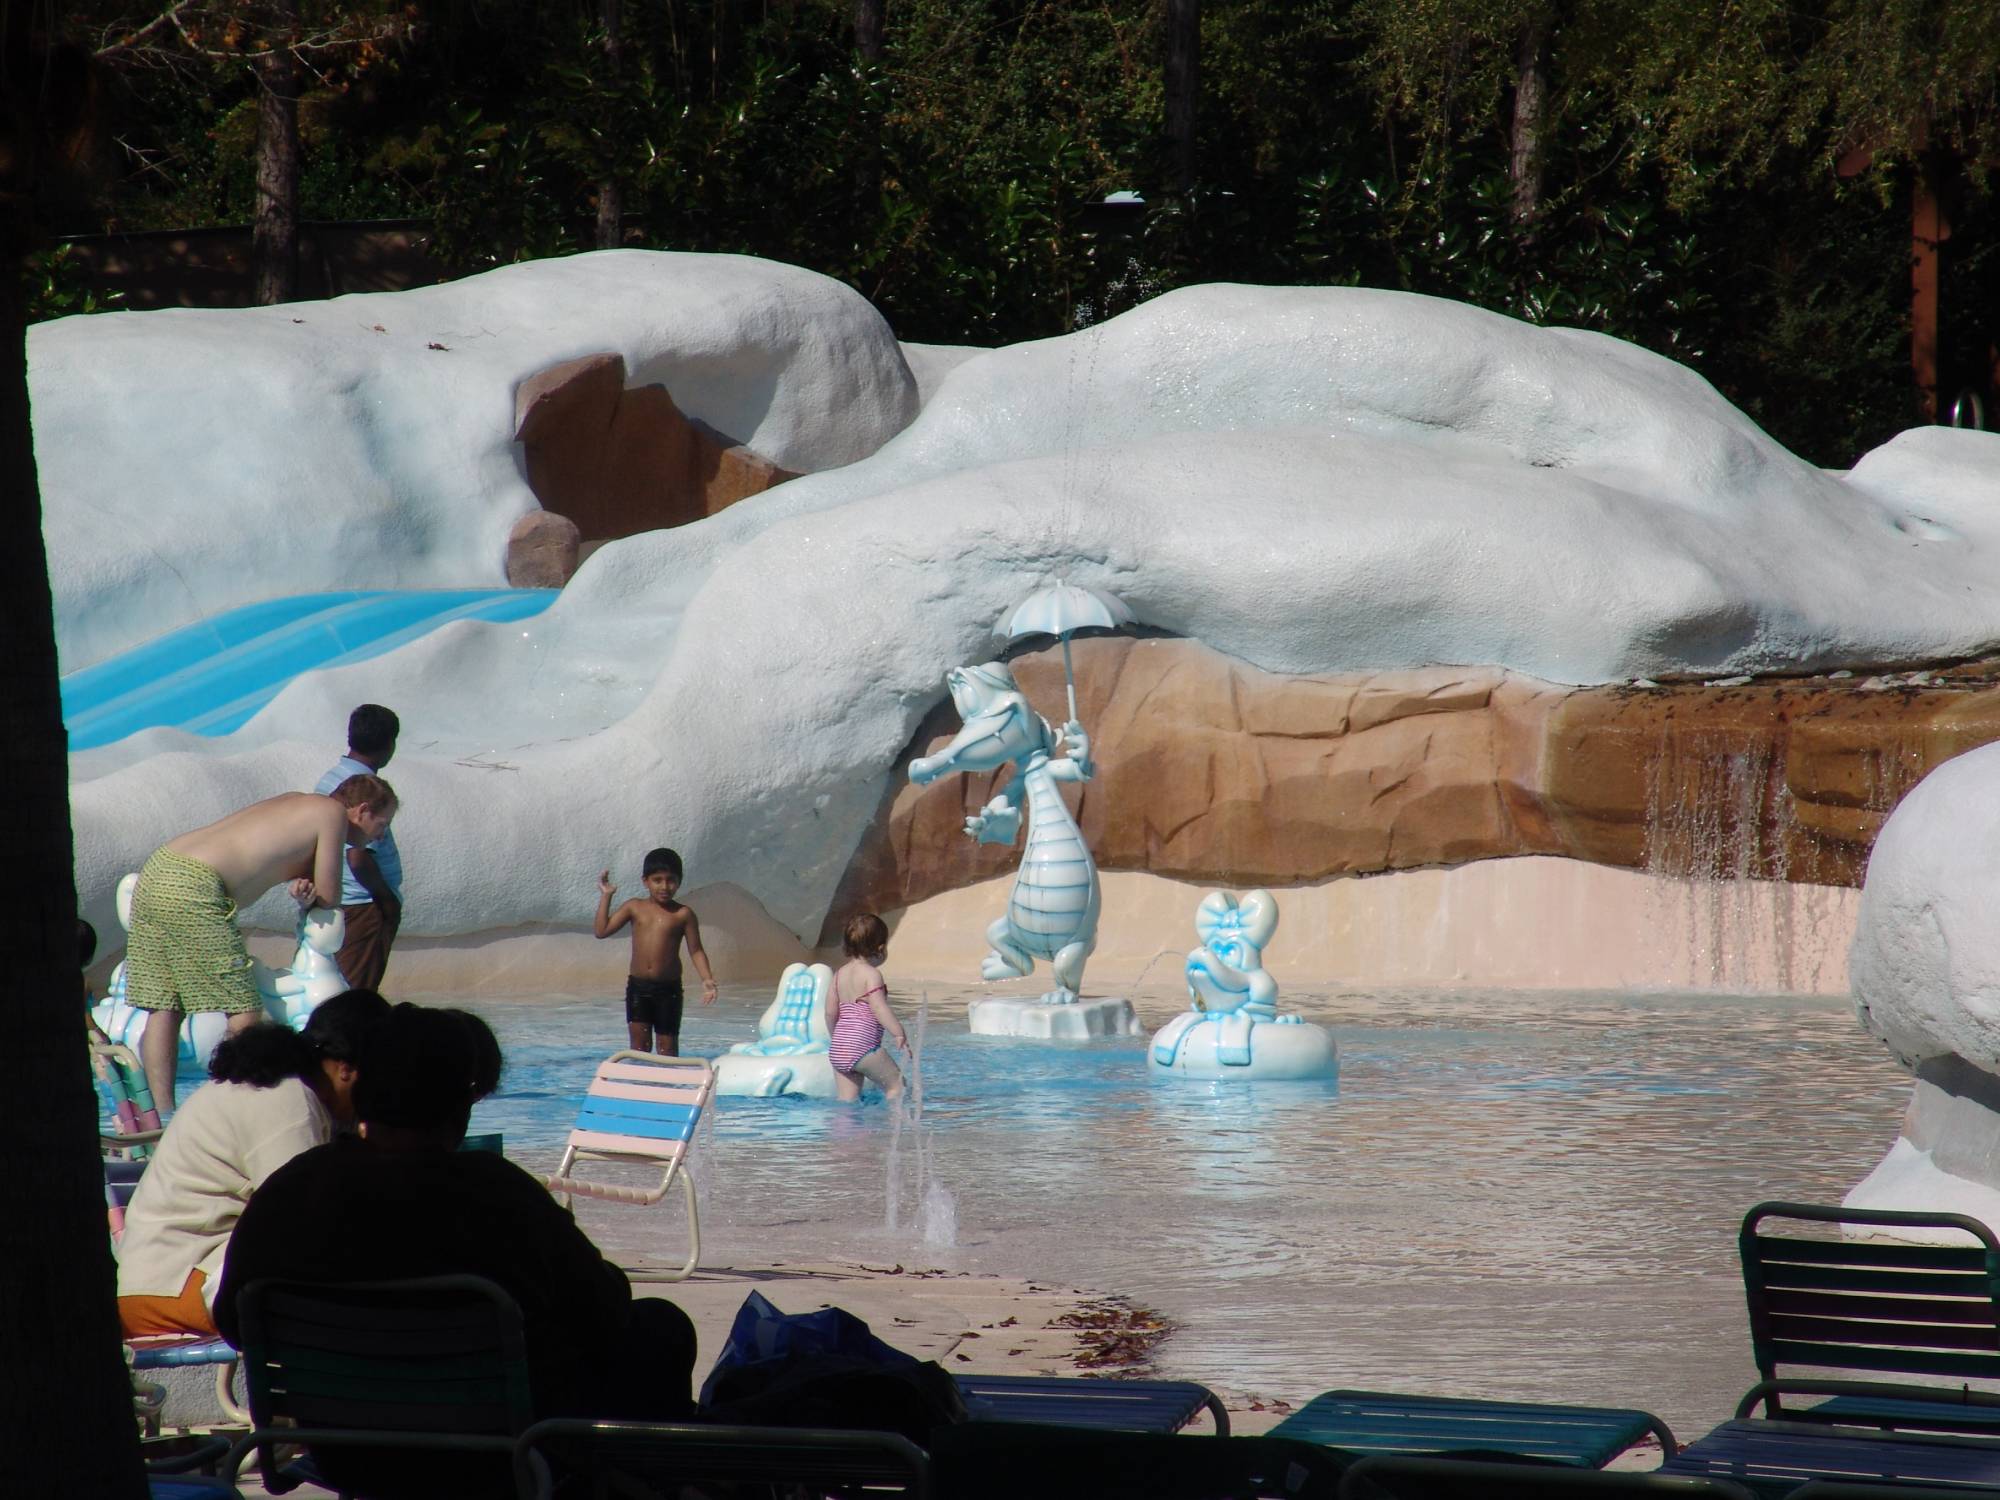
x: 185, y: 953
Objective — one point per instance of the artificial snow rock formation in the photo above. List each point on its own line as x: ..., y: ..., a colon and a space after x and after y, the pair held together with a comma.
x: 1409, y: 481
x: 196, y: 459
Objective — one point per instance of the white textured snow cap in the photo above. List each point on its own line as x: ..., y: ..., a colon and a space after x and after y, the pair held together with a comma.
x: 1554, y: 501
x: 1310, y: 479
x: 1925, y: 967
x: 195, y: 460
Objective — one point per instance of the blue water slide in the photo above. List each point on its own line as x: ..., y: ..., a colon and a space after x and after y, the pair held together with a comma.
x: 210, y: 677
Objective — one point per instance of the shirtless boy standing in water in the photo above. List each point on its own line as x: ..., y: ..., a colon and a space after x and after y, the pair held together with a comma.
x: 653, y: 992
x: 185, y: 953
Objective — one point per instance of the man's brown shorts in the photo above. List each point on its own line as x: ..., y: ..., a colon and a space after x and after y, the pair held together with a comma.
x: 364, y: 951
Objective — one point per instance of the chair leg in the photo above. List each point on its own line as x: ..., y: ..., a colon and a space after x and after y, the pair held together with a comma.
x: 225, y: 1394
x: 149, y: 1400
x: 660, y: 1273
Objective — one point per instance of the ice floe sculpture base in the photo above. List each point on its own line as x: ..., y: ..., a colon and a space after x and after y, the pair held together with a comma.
x: 1288, y: 1049
x: 1946, y: 1158
x: 1080, y: 1020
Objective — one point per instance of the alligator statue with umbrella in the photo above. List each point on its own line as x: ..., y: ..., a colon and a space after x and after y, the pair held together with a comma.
x: 1052, y: 910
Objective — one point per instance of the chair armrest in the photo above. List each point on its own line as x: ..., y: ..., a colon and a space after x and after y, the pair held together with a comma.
x: 702, y: 1450
x: 1823, y: 1213
x: 327, y: 1437
x: 1770, y: 1393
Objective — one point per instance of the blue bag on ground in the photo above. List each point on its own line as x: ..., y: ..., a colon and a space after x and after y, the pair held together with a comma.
x: 824, y: 1369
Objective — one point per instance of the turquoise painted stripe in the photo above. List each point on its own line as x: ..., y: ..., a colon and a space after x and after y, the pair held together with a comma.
x: 210, y: 678
x: 496, y: 606
x: 643, y: 1109
x: 632, y: 1114
x: 652, y: 1130
x: 91, y: 686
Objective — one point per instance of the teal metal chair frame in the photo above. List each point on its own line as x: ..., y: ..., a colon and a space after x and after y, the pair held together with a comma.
x: 437, y: 1364
x: 1887, y: 1308
x: 1389, y: 1423
x: 1006, y: 1460
x: 1109, y: 1404
x: 660, y: 1457
x: 1410, y: 1477
x: 1920, y: 1309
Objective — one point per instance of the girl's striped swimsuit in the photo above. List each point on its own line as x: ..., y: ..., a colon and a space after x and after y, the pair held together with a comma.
x: 856, y: 1032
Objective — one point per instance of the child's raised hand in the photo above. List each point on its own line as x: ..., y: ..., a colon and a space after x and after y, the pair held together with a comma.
x: 604, y: 885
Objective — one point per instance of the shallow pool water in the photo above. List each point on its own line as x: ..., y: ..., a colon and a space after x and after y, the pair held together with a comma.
x: 1527, y: 1194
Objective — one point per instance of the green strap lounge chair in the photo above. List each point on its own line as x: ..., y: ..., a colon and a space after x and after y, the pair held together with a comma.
x: 425, y: 1380
x: 1775, y: 1458
x: 967, y: 1461
x: 1383, y: 1422
x: 1006, y: 1460
x: 1111, y: 1405
x: 1390, y: 1478
x: 659, y: 1458
x: 1882, y: 1306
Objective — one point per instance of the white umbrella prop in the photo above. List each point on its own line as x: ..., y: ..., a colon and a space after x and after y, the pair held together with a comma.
x: 1061, y: 610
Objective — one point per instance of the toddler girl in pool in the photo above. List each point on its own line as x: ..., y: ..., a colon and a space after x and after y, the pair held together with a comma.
x: 857, y: 1013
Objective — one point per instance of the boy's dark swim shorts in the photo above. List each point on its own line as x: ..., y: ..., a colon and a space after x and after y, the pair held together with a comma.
x: 654, y: 1002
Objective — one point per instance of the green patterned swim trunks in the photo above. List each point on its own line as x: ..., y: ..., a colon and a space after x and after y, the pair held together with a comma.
x: 184, y: 952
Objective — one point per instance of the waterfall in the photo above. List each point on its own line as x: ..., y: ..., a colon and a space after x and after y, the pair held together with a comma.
x: 1740, y: 887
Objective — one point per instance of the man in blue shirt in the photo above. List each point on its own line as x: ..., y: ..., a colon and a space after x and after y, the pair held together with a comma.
x: 371, y: 887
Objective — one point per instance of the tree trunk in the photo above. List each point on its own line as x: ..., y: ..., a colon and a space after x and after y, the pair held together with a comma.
x: 1929, y: 229
x: 1531, y: 93
x: 869, y: 27
x: 274, y: 236
x: 610, y: 195
x: 870, y: 31
x: 67, y: 1401
x: 1183, y: 83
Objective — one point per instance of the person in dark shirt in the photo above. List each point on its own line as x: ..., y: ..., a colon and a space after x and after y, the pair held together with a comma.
x: 403, y: 1201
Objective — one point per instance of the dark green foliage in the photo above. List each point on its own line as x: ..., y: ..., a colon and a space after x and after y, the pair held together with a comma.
x: 1688, y: 199
x: 56, y: 286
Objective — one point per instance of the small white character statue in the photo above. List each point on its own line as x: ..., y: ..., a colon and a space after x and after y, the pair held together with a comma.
x: 1234, y: 1029
x: 290, y: 994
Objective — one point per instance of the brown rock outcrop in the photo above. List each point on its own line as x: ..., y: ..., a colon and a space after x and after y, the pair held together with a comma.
x: 1782, y: 780
x: 619, y: 461
x: 1210, y: 769
x: 542, y: 550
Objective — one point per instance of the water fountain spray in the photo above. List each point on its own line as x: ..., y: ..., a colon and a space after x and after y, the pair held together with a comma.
x: 935, y: 1210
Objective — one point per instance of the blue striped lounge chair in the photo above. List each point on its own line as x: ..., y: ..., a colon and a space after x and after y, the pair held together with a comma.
x: 641, y: 1110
